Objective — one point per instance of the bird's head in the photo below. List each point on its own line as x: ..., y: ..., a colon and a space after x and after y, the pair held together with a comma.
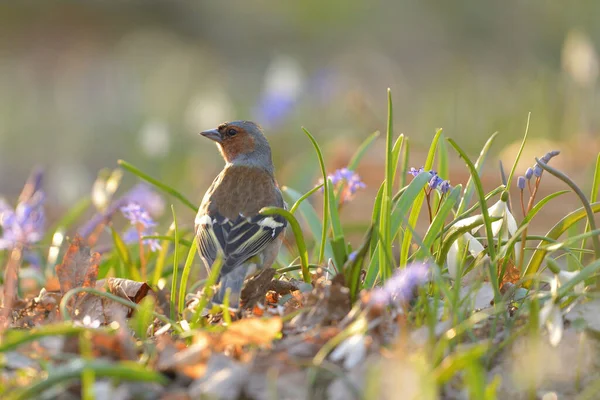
x: 242, y: 143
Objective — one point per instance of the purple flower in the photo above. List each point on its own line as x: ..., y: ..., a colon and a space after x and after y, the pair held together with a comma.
x: 445, y: 187
x: 141, y: 194
x: 400, y: 288
x: 521, y: 182
x: 349, y: 179
x: 352, y: 256
x: 137, y: 215
x: 550, y: 155
x: 414, y: 172
x: 132, y: 235
x: 528, y: 173
x: 142, y: 225
x: 436, y: 182
x: 25, y: 224
x: 537, y: 171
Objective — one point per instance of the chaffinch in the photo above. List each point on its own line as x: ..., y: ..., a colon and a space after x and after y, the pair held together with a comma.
x: 228, y: 220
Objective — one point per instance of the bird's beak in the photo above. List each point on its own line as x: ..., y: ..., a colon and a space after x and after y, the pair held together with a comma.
x: 212, y: 134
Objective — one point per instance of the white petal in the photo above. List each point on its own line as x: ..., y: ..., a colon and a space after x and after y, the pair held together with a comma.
x: 351, y: 350
x: 453, y: 260
x: 498, y: 209
x: 511, y: 222
x: 566, y: 276
x: 475, y: 246
x: 555, y: 326
x: 551, y: 317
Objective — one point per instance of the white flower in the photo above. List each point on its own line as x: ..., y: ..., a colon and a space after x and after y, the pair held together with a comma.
x: 566, y: 276
x: 506, y: 224
x: 352, y: 351
x: 551, y: 315
x: 474, y: 247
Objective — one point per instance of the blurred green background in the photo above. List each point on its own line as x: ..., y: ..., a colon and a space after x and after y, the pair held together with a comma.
x: 86, y: 84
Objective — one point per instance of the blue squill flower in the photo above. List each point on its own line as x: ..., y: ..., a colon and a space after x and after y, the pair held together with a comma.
x: 436, y: 182
x: 349, y: 180
x: 141, y: 194
x: 400, y: 288
x: 521, y: 182
x: 25, y: 224
x: 142, y: 225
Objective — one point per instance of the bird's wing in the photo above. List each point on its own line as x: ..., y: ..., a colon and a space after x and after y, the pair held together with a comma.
x: 238, y: 239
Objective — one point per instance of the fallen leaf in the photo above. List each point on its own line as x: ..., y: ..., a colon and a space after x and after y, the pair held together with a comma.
x: 127, y: 289
x: 251, y: 331
x: 511, y: 274
x: 79, y: 267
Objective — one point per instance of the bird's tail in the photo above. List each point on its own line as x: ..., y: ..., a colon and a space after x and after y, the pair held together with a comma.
x: 235, y: 281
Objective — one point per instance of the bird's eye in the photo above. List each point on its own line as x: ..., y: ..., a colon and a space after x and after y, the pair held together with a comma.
x: 232, y: 132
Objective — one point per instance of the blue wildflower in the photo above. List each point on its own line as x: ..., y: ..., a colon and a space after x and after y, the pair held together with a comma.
x: 529, y: 173
x: 25, y: 224
x: 414, y: 172
x: 445, y: 187
x: 137, y: 215
x: 352, y: 256
x: 400, y: 288
x: 349, y: 179
x: 436, y: 182
x: 142, y: 225
x: 550, y: 155
x: 141, y: 194
x: 133, y: 236
x: 537, y: 171
x: 521, y: 182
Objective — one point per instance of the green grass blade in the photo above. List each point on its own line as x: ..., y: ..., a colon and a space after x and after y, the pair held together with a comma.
x: 538, y: 207
x: 326, y: 195
x: 73, y: 370
x: 418, y: 202
x: 438, y: 222
x: 161, y: 259
x: 486, y: 218
x: 396, y: 152
x: 173, y: 298
x: 514, y: 167
x: 373, y: 269
x: 362, y: 150
x: 167, y: 189
x: 297, y: 235
x: 586, y: 204
x: 470, y: 187
x: 557, y: 230
x: 303, y: 197
x: 443, y: 165
x: 353, y: 268
x: 385, y: 240
x: 338, y: 243
x: 411, y: 195
x: 308, y: 212
x: 593, y: 199
x: 123, y: 253
x: 208, y: 291
x: 171, y: 239
x: 187, y: 268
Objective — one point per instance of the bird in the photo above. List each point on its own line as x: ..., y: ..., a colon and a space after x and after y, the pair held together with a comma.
x: 228, y: 219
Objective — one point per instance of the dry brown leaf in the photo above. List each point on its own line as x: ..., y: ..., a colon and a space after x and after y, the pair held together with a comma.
x: 79, y: 267
x: 511, y: 275
x: 251, y: 331
x: 131, y: 290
